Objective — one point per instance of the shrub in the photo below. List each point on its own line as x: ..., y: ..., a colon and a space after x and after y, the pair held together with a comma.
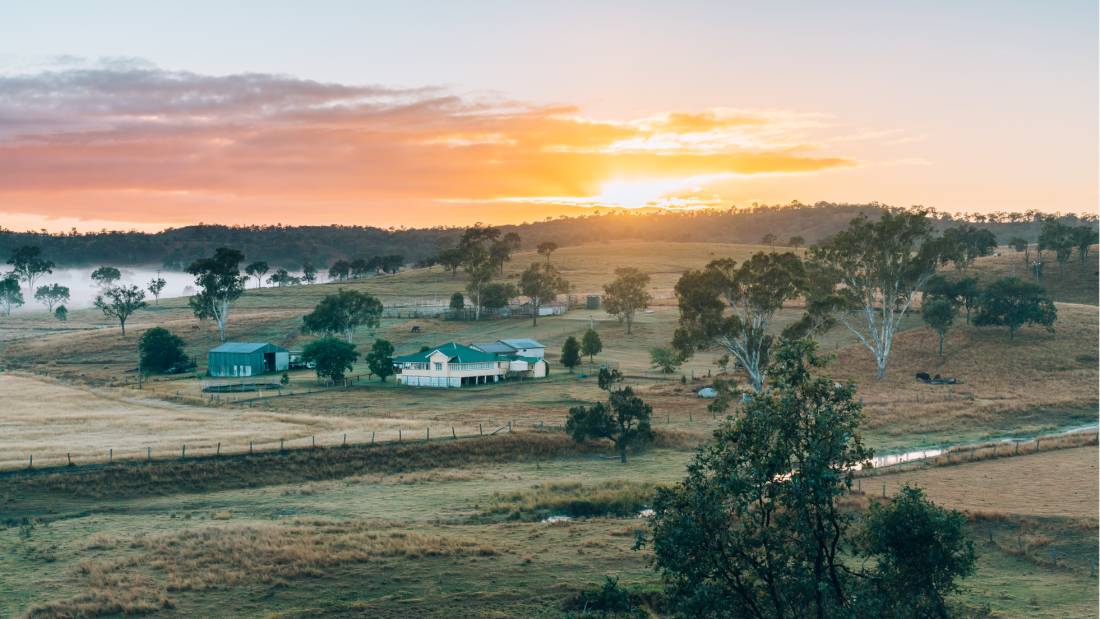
x: 160, y: 350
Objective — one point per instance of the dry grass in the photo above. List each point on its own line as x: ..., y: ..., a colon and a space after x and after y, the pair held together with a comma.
x: 1000, y: 379
x: 1055, y: 483
x: 219, y: 557
x: 1076, y: 284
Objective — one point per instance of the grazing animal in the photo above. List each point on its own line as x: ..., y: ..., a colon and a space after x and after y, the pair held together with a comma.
x: 923, y: 377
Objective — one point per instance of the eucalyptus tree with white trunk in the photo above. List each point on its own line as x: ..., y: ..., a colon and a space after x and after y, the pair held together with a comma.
x: 220, y: 283
x: 732, y: 308
x: 875, y: 270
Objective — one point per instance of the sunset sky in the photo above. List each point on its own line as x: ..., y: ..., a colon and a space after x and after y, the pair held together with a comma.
x: 138, y: 115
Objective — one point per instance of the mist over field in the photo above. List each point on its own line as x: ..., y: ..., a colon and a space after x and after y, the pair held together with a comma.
x: 83, y: 290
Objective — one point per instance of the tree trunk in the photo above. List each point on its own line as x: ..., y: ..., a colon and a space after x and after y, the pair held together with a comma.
x: 629, y: 322
x: 122, y: 323
x: 622, y: 452
x: 534, y: 315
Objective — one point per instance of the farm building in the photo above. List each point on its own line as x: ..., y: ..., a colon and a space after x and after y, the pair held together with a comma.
x: 246, y: 359
x: 458, y: 365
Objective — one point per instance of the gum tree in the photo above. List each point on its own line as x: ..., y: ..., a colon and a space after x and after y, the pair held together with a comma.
x: 874, y: 271
x: 731, y: 308
x: 220, y: 283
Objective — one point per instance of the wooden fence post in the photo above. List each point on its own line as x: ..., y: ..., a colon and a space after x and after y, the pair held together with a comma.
x: 453, y: 435
x: 250, y: 448
x: 372, y: 438
x: 883, y: 489
x: 313, y: 442
x: 183, y: 451
x: 345, y: 443
x: 30, y: 462
x: 280, y: 444
x: 69, y: 457
x: 219, y: 452
x: 427, y: 434
x: 110, y: 455
x: 148, y: 454
x: 480, y: 432
x: 399, y: 435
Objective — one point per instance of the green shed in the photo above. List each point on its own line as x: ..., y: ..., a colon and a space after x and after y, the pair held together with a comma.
x: 233, y: 359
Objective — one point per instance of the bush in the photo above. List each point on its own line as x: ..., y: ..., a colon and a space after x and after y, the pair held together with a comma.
x: 607, y: 600
x: 161, y: 350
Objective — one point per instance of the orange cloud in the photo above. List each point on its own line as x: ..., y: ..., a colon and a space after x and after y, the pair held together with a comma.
x: 139, y: 144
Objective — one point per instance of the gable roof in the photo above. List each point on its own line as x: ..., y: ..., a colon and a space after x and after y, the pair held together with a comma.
x: 523, y: 343
x: 243, y: 347
x: 456, y: 353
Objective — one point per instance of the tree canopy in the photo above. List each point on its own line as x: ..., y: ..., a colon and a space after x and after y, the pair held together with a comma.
x: 731, y: 308
x: 331, y: 356
x: 541, y: 283
x: 626, y: 295
x: 571, y: 353
x: 939, y: 314
x: 624, y: 419
x: 120, y: 302
x: 342, y: 313
x: 758, y: 528
x: 52, y: 295
x: 1011, y: 302
x: 220, y: 283
x: 873, y: 272
x: 591, y: 344
x: 28, y: 265
x: 160, y: 350
x: 380, y: 359
x: 106, y: 276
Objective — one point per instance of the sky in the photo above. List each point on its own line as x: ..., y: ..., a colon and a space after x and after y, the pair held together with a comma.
x: 145, y: 115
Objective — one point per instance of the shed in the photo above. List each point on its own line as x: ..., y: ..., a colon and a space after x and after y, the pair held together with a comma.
x: 246, y: 359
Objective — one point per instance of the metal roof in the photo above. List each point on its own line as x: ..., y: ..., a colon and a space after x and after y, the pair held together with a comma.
x: 523, y: 343
x: 495, y: 347
x: 458, y: 353
x: 242, y: 347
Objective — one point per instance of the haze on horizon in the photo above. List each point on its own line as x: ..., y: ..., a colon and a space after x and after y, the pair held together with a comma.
x: 138, y: 115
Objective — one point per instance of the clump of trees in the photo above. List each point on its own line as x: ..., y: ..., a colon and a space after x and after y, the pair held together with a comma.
x: 29, y: 266
x: 758, y: 528
x: 626, y: 295
x: 161, y: 350
x: 624, y: 419
x: 257, y: 269
x: 332, y: 358
x: 1011, y: 302
x: 120, y: 302
x: 342, y: 313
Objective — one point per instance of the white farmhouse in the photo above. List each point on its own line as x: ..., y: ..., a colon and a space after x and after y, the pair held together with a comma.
x: 458, y: 365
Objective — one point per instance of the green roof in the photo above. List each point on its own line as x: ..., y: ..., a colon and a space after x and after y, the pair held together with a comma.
x: 456, y: 353
x: 244, y: 347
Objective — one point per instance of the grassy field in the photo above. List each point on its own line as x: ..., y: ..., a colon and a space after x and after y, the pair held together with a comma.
x: 455, y: 528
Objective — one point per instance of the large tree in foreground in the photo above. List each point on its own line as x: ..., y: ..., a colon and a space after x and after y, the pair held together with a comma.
x: 759, y: 527
x: 627, y: 295
x: 342, y: 313
x: 874, y: 271
x: 120, y: 302
x: 731, y: 308
x: 220, y: 283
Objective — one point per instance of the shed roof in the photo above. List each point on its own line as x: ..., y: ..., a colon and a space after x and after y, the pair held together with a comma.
x: 242, y: 347
x: 523, y: 343
x: 495, y: 347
